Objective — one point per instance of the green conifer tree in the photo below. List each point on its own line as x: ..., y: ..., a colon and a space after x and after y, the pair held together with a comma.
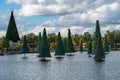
x: 44, y: 47
x: 99, y: 54
x: 90, y: 48
x: 69, y: 46
x: 25, y: 46
x: 81, y: 46
x: 12, y: 32
x: 39, y: 42
x: 65, y: 43
x: 59, y: 50
x: 95, y: 38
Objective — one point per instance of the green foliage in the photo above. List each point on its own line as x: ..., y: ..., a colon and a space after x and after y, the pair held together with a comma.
x: 99, y: 54
x: 76, y: 39
x: 59, y: 50
x: 52, y: 46
x: 69, y: 46
x: 12, y: 32
x: 19, y: 46
x: 96, y: 37
x: 113, y: 39
x: 52, y: 37
x: 90, y: 48
x: 25, y: 46
x: 39, y: 42
x: 81, y: 46
x: 65, y: 44
x: 5, y: 43
x: 32, y: 40
x: 45, y: 46
x: 86, y: 37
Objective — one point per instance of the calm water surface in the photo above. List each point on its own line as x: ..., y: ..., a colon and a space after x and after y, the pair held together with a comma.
x: 78, y: 67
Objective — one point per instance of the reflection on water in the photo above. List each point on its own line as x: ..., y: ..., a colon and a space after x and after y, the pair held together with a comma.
x: 78, y: 67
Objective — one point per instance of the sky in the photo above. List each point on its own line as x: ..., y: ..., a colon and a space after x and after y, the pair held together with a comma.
x: 58, y: 15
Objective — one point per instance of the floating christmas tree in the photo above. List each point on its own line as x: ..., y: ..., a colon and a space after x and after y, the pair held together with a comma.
x: 12, y: 32
x: 59, y: 50
x: 25, y: 47
x: 65, y: 43
x: 39, y: 42
x: 99, y: 52
x: 44, y: 47
x: 96, y: 37
x: 69, y: 46
x: 89, y: 49
x: 81, y: 47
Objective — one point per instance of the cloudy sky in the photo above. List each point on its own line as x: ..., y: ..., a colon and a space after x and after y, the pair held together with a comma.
x: 59, y: 15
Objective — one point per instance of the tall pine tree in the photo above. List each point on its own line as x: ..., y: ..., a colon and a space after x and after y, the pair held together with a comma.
x: 99, y: 52
x: 44, y: 47
x: 39, y: 42
x: 59, y: 50
x: 96, y: 37
x: 12, y: 32
x: 90, y: 48
x: 69, y: 46
x: 65, y: 43
x: 25, y: 47
x: 81, y: 46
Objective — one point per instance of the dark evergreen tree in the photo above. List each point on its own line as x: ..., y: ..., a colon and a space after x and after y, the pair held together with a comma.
x: 12, y: 32
x: 81, y: 47
x: 44, y: 47
x: 90, y: 48
x: 25, y: 47
x: 69, y: 46
x: 65, y: 43
x: 39, y: 42
x: 59, y: 50
x: 106, y: 47
x: 95, y: 37
x: 99, y: 54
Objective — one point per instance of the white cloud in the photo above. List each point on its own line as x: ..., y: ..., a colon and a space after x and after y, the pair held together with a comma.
x: 40, y: 29
x: 118, y: 27
x: 29, y: 10
x: 23, y: 1
x: 74, y: 30
x: 63, y: 30
x: 49, y: 7
x: 107, y: 14
x: 78, y: 15
x: 74, y: 13
x: 57, y: 7
x: 2, y: 33
x: 114, y: 6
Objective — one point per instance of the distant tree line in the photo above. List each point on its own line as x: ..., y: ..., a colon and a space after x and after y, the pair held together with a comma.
x: 113, y: 39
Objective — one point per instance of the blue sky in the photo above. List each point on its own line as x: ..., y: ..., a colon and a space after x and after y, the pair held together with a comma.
x: 58, y: 15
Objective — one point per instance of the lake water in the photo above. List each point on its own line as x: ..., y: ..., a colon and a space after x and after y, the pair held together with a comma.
x: 77, y: 67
